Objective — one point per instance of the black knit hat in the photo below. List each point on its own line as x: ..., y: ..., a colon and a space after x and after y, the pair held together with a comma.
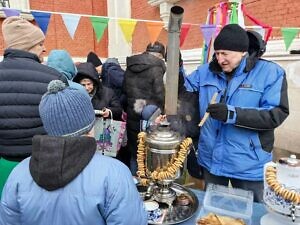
x: 232, y: 37
x: 94, y: 59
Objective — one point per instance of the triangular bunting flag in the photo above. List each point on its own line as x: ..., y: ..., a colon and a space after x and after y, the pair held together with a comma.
x: 234, y: 14
x: 208, y: 31
x: 241, y: 19
x: 289, y: 35
x: 42, y: 19
x: 260, y: 30
x: 184, y: 31
x: 99, y: 25
x: 71, y: 23
x: 154, y: 30
x: 268, y: 29
x: 11, y: 12
x: 127, y: 26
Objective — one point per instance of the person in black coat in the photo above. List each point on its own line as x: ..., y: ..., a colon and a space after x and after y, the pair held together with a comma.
x: 143, y: 85
x: 102, y: 97
x: 23, y: 82
x: 112, y: 76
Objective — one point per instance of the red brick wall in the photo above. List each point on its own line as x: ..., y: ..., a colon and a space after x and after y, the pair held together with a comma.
x: 57, y: 36
x: 276, y: 13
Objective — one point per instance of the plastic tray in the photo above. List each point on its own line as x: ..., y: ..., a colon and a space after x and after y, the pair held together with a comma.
x: 233, y: 202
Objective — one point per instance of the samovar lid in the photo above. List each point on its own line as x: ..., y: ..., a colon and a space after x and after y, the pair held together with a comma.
x: 163, y: 138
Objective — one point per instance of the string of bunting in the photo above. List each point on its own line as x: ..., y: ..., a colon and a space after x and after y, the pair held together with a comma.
x: 233, y: 12
x: 218, y: 15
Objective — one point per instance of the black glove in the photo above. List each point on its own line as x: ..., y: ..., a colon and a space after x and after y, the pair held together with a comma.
x: 218, y: 111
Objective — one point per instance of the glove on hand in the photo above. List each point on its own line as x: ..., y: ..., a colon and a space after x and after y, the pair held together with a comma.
x: 218, y: 111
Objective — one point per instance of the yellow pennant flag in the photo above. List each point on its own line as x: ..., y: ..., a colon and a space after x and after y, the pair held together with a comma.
x: 154, y: 29
x: 127, y: 26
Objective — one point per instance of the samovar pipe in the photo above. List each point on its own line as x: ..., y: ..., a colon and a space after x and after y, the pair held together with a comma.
x: 174, y: 27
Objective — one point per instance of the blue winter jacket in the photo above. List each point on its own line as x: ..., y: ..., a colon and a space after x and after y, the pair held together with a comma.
x: 66, y: 183
x: 257, y: 103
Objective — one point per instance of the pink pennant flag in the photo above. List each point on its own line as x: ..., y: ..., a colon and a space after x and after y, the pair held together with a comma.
x: 11, y: 12
x: 208, y: 30
x: 184, y: 31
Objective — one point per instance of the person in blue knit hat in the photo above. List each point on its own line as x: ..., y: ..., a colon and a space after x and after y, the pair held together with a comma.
x: 66, y: 181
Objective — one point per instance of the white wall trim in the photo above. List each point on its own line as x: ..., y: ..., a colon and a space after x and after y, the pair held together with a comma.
x: 164, y: 9
x: 117, y: 46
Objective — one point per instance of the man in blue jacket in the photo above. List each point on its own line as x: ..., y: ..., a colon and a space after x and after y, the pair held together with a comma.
x: 66, y: 181
x: 237, y: 139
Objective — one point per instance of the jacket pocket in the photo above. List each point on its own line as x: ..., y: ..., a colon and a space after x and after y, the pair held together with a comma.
x: 247, y: 97
x: 256, y: 149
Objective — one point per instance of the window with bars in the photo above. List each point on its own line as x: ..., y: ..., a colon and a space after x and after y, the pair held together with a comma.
x: 5, y: 3
x: 22, y: 5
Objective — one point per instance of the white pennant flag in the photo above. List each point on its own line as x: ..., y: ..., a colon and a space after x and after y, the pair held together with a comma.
x: 260, y: 30
x: 241, y: 16
x: 71, y: 23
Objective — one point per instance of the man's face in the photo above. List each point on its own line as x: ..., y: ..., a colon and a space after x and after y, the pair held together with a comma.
x: 39, y: 49
x: 87, y: 84
x: 229, y: 60
x: 99, y: 69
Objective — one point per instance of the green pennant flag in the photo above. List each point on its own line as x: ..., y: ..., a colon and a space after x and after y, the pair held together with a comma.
x: 289, y: 35
x: 99, y: 25
x: 234, y: 14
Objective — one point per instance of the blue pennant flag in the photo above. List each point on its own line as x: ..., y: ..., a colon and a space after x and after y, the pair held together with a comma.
x: 42, y: 19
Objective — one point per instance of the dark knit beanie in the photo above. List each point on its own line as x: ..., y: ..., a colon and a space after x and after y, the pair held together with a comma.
x: 232, y: 37
x: 66, y: 111
x: 94, y: 59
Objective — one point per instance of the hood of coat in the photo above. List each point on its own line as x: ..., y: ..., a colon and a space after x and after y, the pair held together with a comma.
x: 110, y: 66
x: 87, y: 70
x: 62, y: 62
x: 56, y: 161
x: 139, y: 63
